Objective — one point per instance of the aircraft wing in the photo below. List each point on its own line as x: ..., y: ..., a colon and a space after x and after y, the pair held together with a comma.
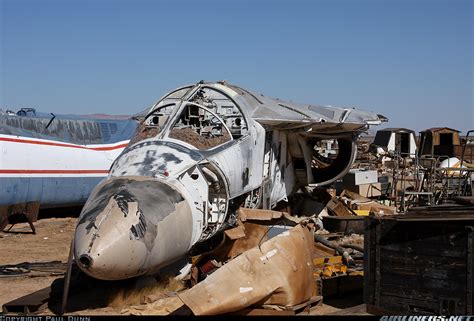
x: 285, y: 115
x: 317, y: 119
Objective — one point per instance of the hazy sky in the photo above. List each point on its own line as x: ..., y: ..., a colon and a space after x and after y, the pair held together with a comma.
x: 409, y: 60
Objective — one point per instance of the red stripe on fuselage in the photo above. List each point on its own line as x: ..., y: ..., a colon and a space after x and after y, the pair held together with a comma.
x: 36, y: 142
x: 53, y: 171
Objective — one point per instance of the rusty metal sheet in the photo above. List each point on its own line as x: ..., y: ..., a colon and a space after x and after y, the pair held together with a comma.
x: 265, y: 215
x: 258, y: 214
x: 278, y: 272
x: 254, y: 235
x: 236, y: 233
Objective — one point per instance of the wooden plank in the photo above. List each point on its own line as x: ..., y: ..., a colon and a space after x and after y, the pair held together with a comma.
x: 410, y: 305
x: 407, y: 259
x: 465, y: 200
x: 470, y: 271
x: 314, y: 299
x: 422, y: 282
x: 360, y: 309
x: 28, y: 303
x: 427, y: 249
x: 420, y: 305
x: 434, y: 270
x: 441, y: 236
x: 262, y: 312
x: 377, y: 310
x: 394, y: 257
x: 413, y: 262
x: 369, y: 224
x: 378, y: 235
x: 338, y: 208
x: 269, y: 310
x: 404, y: 291
x: 440, y: 273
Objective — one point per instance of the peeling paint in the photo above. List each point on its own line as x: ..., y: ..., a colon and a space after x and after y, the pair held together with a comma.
x: 155, y: 199
x: 138, y: 230
x: 171, y: 193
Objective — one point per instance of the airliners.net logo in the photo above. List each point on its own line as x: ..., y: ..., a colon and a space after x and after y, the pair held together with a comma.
x: 427, y: 318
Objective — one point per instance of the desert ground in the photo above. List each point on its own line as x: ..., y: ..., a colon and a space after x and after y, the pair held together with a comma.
x: 48, y: 250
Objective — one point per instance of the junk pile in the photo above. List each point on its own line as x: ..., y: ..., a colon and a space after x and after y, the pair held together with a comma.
x: 262, y: 266
x: 404, y: 170
x: 271, y: 263
x: 275, y: 263
x: 285, y: 262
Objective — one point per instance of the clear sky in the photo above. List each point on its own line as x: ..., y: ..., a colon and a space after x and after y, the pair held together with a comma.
x: 409, y: 60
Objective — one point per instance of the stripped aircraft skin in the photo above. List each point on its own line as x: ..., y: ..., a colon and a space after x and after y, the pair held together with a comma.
x: 56, y: 160
x: 199, y: 153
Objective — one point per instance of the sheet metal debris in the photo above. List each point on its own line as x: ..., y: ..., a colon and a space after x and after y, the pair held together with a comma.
x: 278, y: 272
x: 33, y: 268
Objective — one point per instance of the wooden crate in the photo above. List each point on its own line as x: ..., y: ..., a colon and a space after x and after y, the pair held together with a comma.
x: 420, y: 262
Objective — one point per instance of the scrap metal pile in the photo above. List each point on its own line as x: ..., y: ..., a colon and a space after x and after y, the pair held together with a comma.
x: 430, y: 170
x: 226, y: 201
x: 272, y: 263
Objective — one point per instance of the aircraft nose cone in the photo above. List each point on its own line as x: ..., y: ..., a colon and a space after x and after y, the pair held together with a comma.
x: 112, y: 247
x: 118, y: 226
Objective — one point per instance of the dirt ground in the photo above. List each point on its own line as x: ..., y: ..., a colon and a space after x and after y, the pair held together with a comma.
x: 51, y: 243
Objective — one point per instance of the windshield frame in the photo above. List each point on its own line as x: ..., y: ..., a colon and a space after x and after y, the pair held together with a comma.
x: 175, y: 120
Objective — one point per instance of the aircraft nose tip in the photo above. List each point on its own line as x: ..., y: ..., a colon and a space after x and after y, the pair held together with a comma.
x: 85, y: 261
x: 130, y: 226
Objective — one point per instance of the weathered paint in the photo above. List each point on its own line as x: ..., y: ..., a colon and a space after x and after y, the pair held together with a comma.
x: 57, y: 162
x: 154, y: 158
x: 163, y: 194
x: 52, y: 191
x: 134, y: 215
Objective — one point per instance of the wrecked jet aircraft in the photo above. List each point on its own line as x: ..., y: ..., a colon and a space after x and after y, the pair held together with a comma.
x: 200, y: 152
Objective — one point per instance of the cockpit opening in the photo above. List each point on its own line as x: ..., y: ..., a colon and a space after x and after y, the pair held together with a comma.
x: 224, y: 107
x: 200, y: 128
x: 153, y: 123
x: 207, y: 118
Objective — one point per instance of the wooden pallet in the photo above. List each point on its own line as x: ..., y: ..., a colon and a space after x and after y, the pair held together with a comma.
x: 299, y: 309
x: 28, y: 303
